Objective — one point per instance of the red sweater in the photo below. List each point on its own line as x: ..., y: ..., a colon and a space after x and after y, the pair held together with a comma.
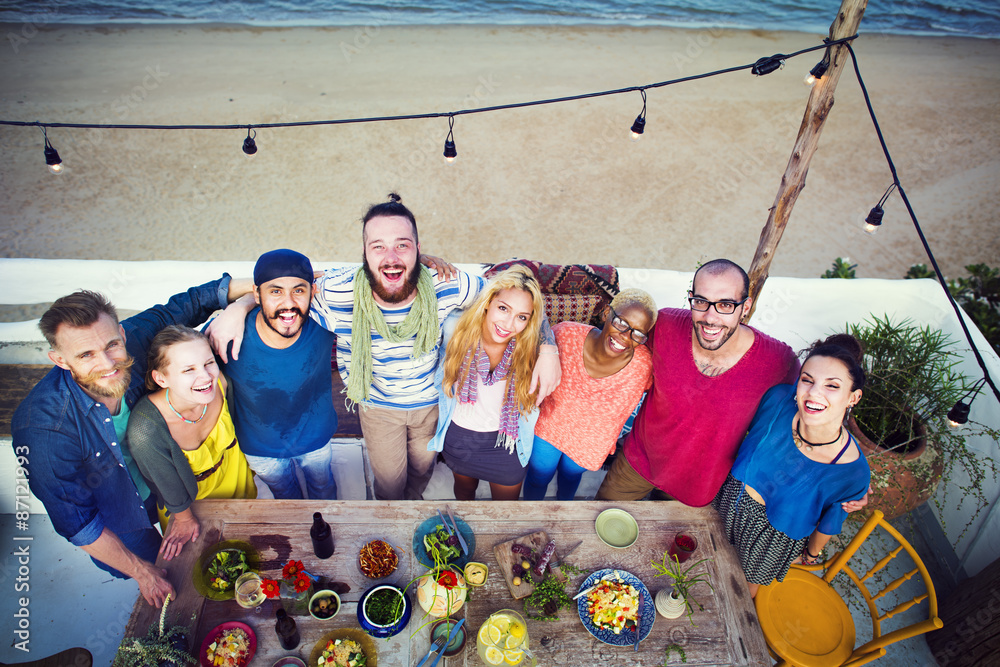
x: 686, y: 435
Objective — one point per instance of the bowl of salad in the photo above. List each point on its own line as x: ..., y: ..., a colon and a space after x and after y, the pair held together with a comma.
x: 220, y: 565
x: 231, y: 644
x: 434, y: 546
x: 610, y: 612
x: 345, y: 647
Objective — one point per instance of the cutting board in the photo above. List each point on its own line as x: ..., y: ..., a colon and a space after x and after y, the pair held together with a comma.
x: 506, y: 560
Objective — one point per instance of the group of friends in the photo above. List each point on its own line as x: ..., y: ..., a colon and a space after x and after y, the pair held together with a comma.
x: 142, y: 417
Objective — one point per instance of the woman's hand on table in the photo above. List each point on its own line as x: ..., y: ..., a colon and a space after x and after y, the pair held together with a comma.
x: 184, y: 527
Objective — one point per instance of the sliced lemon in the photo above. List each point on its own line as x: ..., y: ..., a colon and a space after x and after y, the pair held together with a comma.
x: 513, y: 657
x: 494, y: 634
x: 512, y: 641
x: 517, y: 630
x: 484, y: 633
x: 501, y: 623
x: 494, y: 656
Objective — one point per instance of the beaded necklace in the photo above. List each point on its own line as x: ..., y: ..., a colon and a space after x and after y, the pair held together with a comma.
x: 182, y: 417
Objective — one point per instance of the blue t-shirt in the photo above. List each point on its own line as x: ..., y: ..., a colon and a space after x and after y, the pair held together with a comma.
x: 800, y: 495
x: 283, y: 399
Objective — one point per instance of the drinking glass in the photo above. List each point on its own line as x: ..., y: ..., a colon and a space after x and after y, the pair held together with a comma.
x: 249, y: 591
x: 683, y: 546
x: 503, y: 639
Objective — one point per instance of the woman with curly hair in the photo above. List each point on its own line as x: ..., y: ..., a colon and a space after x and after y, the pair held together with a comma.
x: 486, y: 407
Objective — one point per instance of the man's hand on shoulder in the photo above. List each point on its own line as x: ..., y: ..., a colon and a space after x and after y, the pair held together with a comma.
x: 445, y: 270
x: 229, y: 327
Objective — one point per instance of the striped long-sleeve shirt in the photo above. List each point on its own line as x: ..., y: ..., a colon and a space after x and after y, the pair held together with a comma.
x: 398, y: 380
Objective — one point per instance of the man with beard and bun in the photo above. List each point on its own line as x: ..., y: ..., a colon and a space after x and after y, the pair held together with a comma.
x: 68, y: 432
x: 282, y: 387
x: 709, y: 374
x: 388, y: 317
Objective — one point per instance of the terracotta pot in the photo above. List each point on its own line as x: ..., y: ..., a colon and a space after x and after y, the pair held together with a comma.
x: 895, y: 488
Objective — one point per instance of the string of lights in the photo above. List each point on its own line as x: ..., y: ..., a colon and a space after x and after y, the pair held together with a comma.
x: 960, y: 413
x: 760, y: 67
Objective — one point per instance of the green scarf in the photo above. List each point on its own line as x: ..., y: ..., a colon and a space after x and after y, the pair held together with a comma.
x: 421, y: 324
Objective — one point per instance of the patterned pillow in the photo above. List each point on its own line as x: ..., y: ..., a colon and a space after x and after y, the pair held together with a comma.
x: 577, y: 292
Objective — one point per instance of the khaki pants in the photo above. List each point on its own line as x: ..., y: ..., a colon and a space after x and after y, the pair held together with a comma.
x: 397, y: 450
x: 623, y: 483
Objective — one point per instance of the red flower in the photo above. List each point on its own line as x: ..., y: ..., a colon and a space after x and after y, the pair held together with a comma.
x: 302, y: 582
x: 448, y: 579
x: 270, y: 587
x: 292, y: 568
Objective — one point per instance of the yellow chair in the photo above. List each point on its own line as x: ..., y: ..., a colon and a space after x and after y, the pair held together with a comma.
x: 807, y: 624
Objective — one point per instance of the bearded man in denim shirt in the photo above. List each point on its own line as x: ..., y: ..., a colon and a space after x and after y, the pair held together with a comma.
x: 68, y: 432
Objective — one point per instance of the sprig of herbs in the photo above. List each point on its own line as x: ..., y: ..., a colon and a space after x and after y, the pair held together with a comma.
x: 549, y: 595
x: 680, y: 652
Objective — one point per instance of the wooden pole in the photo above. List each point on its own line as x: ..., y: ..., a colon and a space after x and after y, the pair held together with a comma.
x: 794, y: 179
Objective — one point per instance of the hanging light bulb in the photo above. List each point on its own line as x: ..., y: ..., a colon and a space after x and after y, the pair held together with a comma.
x: 249, y: 145
x: 959, y: 414
x: 640, y: 121
x: 874, y: 220
x: 450, y: 152
x: 817, y: 72
x: 52, y: 158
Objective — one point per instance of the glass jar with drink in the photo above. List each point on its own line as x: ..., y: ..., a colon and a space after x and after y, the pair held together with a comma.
x: 503, y: 640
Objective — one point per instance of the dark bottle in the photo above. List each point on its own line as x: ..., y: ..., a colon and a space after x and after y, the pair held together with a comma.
x: 288, y: 632
x: 322, y: 537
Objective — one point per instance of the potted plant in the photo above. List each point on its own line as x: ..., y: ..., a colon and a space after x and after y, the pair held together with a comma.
x: 678, y: 599
x: 912, y: 382
x: 161, y: 647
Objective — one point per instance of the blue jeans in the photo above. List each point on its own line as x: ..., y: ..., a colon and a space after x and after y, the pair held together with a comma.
x: 280, y: 477
x: 143, y: 543
x: 545, y: 460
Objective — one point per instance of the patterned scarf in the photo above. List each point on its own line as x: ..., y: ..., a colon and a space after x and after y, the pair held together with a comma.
x: 507, y: 437
x: 420, y: 324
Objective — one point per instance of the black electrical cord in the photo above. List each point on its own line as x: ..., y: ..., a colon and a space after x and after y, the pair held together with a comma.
x: 920, y: 232
x: 439, y: 114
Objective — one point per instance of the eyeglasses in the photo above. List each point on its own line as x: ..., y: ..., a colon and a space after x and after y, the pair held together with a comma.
x: 622, y: 326
x: 721, y: 307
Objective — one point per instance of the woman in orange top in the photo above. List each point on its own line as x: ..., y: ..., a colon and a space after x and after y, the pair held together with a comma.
x: 604, y: 374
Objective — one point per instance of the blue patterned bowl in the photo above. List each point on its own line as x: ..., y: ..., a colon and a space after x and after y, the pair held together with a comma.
x: 381, y: 630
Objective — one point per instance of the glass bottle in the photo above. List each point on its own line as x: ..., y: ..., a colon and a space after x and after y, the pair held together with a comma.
x: 288, y: 631
x: 322, y: 537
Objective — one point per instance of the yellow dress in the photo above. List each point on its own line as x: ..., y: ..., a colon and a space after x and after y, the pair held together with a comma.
x: 219, y: 465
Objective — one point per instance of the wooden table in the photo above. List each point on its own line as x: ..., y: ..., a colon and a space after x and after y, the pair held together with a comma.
x: 726, y: 633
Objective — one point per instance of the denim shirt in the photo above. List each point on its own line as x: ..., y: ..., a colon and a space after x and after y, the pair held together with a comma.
x: 76, y: 466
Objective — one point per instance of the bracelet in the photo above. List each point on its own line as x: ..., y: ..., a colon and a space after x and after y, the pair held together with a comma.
x: 809, y: 556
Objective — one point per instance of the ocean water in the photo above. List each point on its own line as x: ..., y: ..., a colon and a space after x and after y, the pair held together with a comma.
x: 970, y: 18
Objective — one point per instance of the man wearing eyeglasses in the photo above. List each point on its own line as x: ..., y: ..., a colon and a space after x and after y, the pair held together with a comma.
x: 709, y: 374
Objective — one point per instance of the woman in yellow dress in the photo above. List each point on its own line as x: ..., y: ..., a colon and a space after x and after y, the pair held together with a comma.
x: 182, y: 437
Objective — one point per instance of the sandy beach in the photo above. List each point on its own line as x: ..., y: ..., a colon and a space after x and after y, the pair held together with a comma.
x: 560, y: 183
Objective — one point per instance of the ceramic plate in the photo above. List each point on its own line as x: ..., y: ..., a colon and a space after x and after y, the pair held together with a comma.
x: 617, y: 528
x: 626, y: 638
x: 357, y: 634
x: 200, y: 576
x: 220, y: 630
x: 428, y: 526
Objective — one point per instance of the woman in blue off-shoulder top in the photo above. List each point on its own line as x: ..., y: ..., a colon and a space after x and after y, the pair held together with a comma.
x: 797, y: 464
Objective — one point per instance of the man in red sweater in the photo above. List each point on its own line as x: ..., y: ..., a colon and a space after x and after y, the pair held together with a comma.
x: 709, y: 374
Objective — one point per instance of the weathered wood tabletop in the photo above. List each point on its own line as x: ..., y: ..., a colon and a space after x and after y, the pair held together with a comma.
x: 725, y: 633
